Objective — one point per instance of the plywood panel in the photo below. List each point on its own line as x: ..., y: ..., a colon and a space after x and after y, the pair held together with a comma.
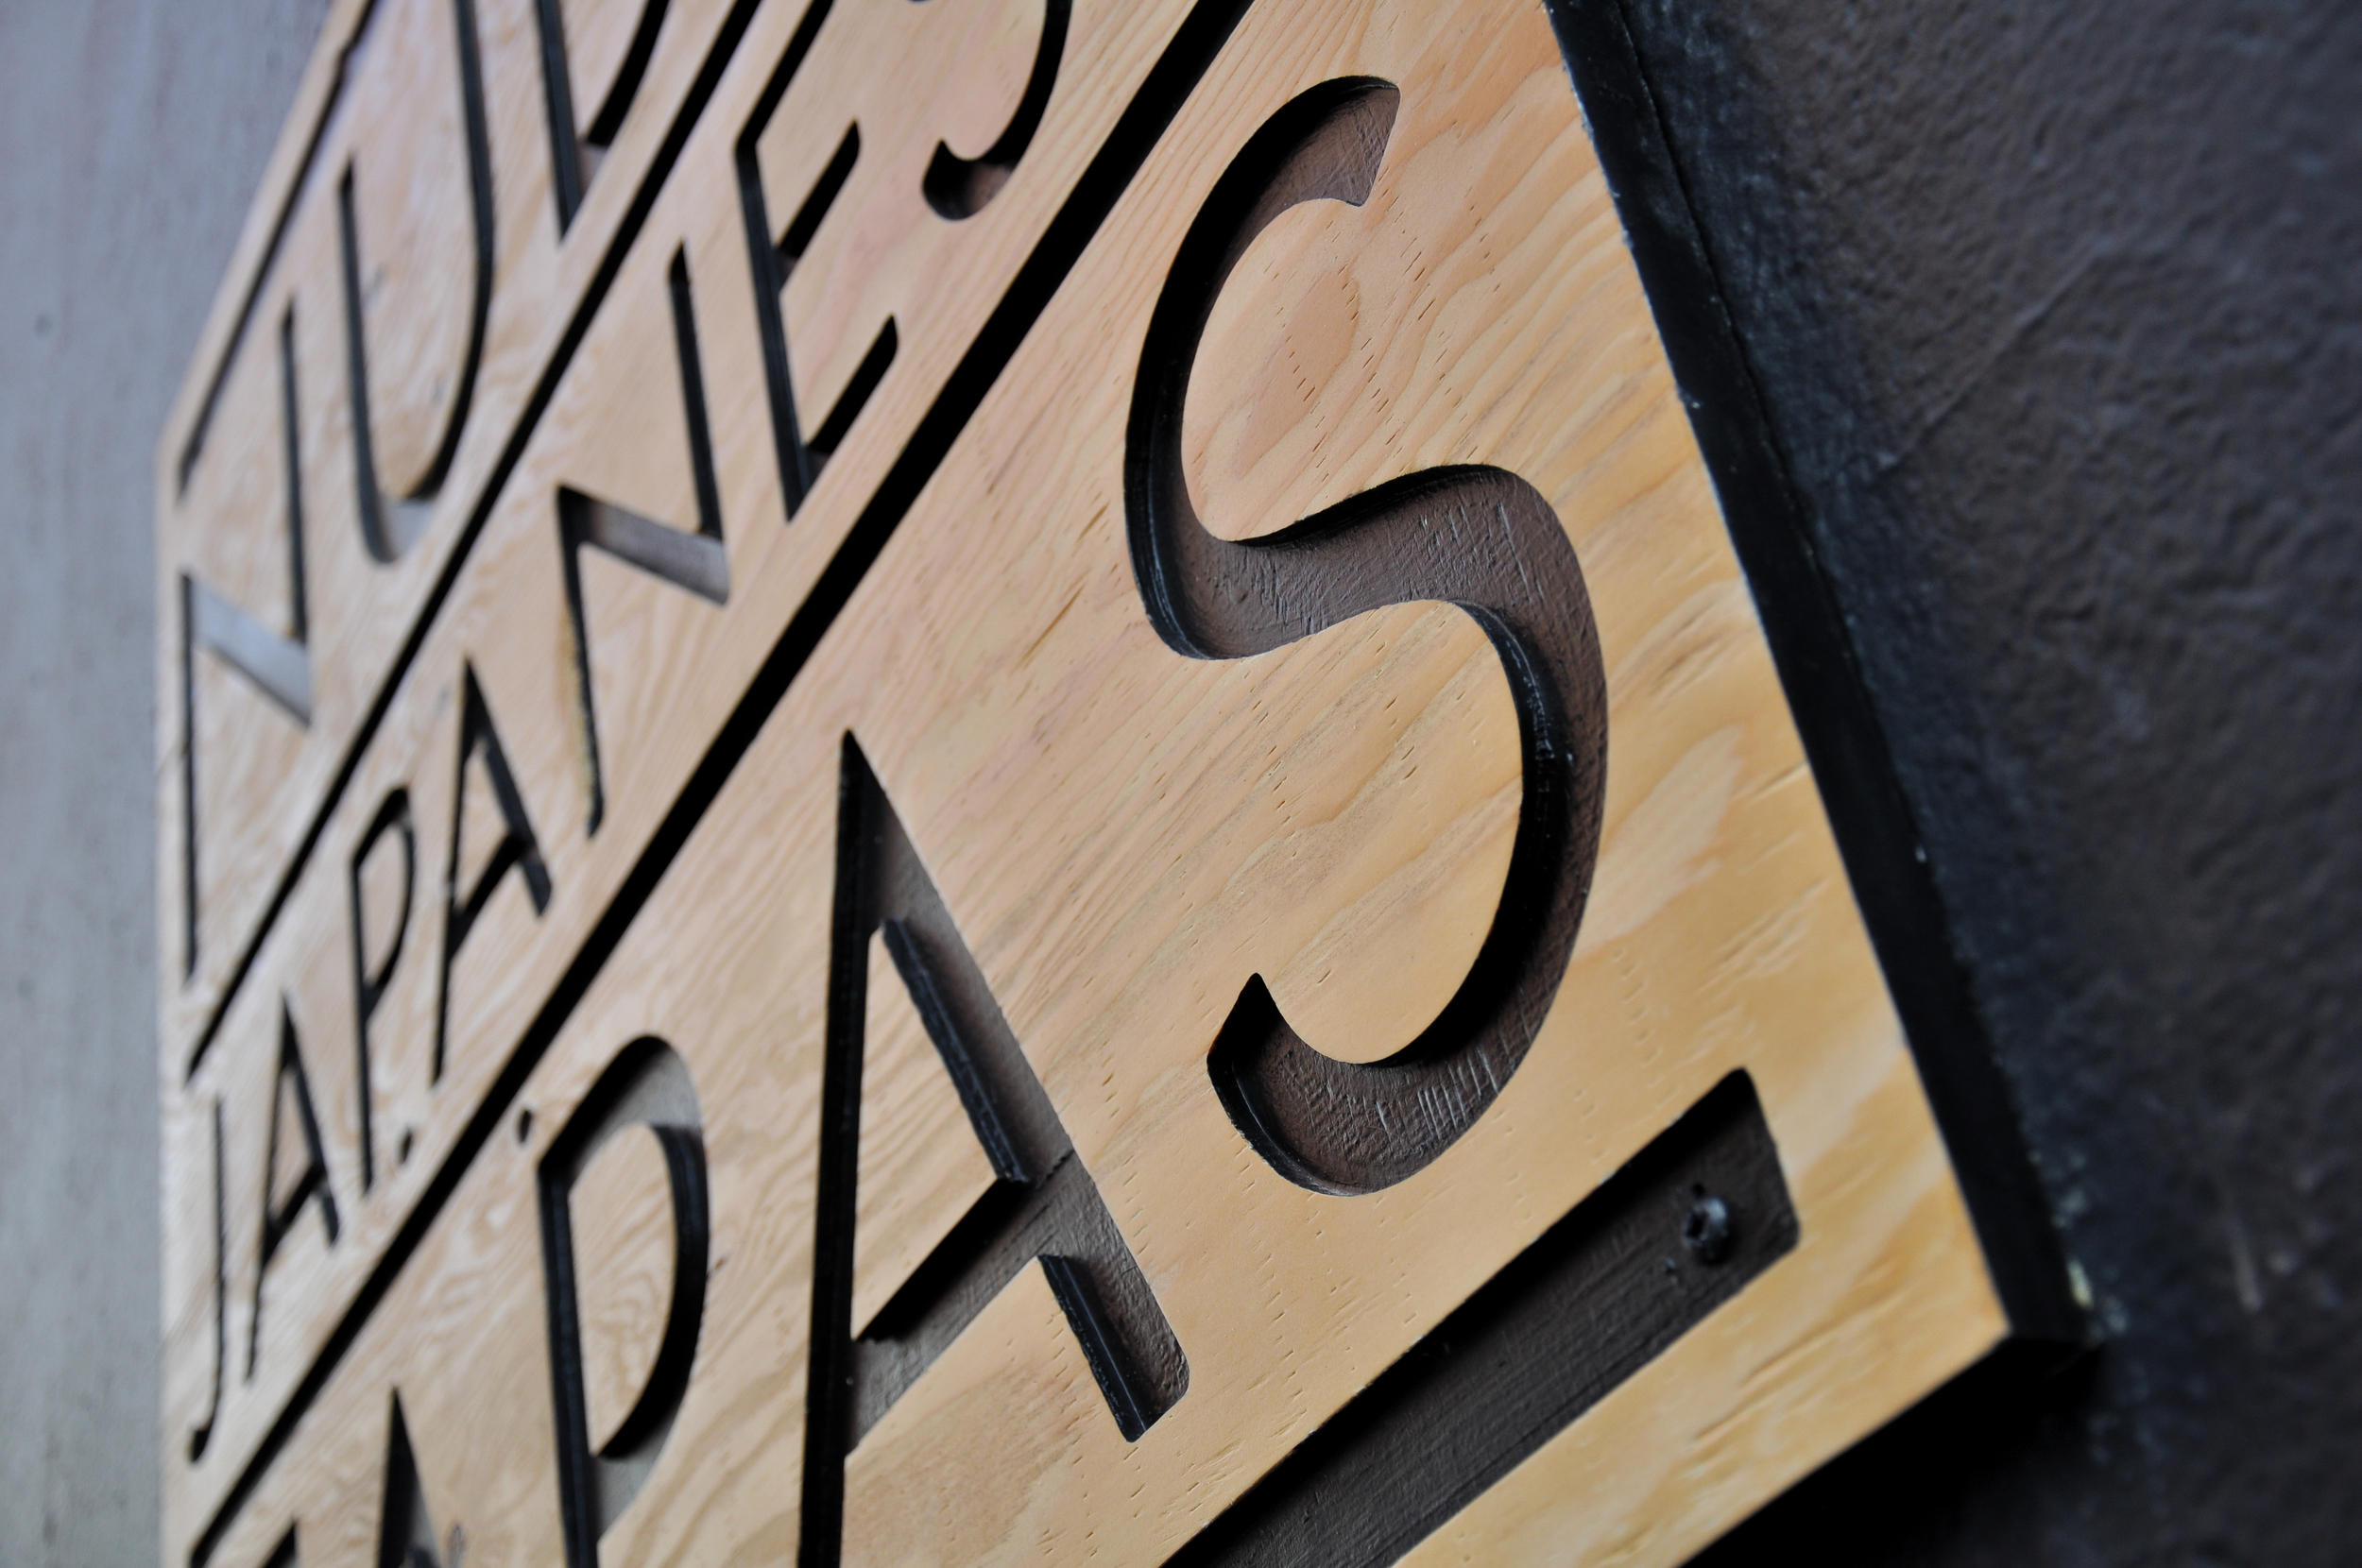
x: 625, y: 1243
x: 422, y: 154
x: 616, y: 431
x: 1267, y: 639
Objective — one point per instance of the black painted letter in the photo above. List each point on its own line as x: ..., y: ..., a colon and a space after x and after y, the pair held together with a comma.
x: 1478, y: 537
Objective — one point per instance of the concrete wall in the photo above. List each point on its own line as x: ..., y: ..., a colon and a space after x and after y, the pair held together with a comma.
x: 133, y: 133
x: 2057, y: 311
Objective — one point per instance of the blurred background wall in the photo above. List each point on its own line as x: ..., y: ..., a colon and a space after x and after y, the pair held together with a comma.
x: 133, y: 133
x: 2057, y: 311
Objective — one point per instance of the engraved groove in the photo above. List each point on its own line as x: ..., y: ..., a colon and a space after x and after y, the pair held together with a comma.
x: 369, y: 982
x: 957, y: 187
x: 573, y: 151
x: 280, y: 667
x: 391, y: 525
x: 646, y: 1084
x: 1044, y: 1207
x: 1108, y: 174
x: 519, y: 850
x: 1478, y: 537
x: 1598, y: 1296
x: 699, y: 562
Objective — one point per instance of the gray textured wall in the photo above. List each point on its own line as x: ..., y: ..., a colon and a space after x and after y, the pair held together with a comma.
x: 2055, y: 307
x: 133, y: 133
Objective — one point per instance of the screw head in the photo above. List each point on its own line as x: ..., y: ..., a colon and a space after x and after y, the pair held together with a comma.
x: 1709, y: 1230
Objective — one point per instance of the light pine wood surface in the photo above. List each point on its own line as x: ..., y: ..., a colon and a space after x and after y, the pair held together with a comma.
x: 620, y: 1211
x: 383, y: 104
x: 615, y: 430
x: 1122, y: 836
x: 920, y: 1169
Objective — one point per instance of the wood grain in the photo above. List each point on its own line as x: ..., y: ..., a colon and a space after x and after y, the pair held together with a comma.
x: 599, y: 38
x: 383, y: 102
x: 921, y: 1167
x: 624, y: 1245
x: 667, y: 666
x: 1124, y: 836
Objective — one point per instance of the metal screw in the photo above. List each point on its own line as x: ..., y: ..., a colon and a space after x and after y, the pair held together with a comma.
x: 1709, y: 1230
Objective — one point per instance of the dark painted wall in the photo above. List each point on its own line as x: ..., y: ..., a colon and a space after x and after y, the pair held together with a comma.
x: 2056, y: 309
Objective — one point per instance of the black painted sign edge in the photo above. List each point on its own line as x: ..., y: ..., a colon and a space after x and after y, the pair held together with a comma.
x: 1860, y: 790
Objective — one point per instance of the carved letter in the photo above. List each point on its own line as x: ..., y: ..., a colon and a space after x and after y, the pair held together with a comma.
x: 1042, y: 1204
x: 283, y: 1199
x: 598, y: 58
x: 203, y: 1432
x: 773, y: 254
x: 698, y: 561
x: 518, y: 850
x: 959, y: 187
x: 623, y: 1193
x: 1478, y: 537
x: 417, y: 294
x: 369, y: 980
x: 280, y: 666
x: 405, y: 1531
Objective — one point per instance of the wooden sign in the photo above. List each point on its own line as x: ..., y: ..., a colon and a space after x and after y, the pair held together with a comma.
x: 1021, y: 781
